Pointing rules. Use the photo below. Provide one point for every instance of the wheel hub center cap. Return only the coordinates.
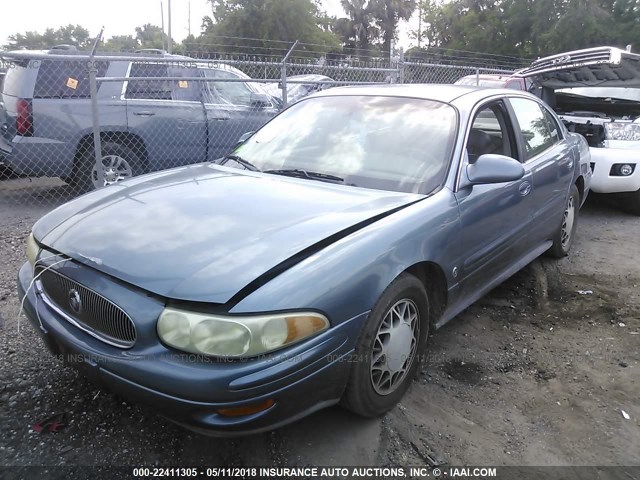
(399, 347)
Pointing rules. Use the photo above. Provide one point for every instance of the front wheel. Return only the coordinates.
(563, 239)
(389, 348)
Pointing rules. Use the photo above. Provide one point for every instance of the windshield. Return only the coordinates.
(620, 93)
(386, 143)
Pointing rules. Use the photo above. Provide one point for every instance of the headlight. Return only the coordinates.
(236, 336)
(32, 249)
(622, 131)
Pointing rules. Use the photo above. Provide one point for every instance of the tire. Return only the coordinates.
(119, 163)
(564, 236)
(372, 390)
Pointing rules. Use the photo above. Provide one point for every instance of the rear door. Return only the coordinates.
(549, 158)
(167, 114)
(232, 108)
(495, 218)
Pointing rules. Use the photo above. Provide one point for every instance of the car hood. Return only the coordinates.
(601, 66)
(203, 232)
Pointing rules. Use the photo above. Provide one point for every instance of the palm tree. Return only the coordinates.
(387, 14)
(359, 28)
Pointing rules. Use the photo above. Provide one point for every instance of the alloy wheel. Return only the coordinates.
(114, 169)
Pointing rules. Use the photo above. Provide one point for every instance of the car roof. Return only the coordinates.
(429, 91)
(38, 54)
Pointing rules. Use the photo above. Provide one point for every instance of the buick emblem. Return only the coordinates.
(75, 302)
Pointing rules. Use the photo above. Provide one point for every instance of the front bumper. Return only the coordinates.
(190, 390)
(604, 158)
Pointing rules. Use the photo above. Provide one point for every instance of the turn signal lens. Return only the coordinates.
(246, 410)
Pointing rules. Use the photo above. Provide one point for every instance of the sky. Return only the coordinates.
(120, 17)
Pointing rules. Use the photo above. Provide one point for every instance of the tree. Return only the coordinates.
(70, 35)
(387, 14)
(358, 30)
(121, 43)
(150, 36)
(266, 26)
(529, 28)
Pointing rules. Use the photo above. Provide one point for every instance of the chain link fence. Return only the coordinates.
(72, 122)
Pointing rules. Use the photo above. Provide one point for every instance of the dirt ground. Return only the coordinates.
(536, 373)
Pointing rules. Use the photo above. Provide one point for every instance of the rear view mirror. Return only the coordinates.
(492, 168)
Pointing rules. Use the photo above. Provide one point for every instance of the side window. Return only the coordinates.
(514, 85)
(65, 78)
(185, 90)
(489, 133)
(534, 125)
(231, 93)
(145, 88)
(553, 125)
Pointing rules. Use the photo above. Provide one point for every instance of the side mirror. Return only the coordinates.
(260, 100)
(243, 138)
(492, 168)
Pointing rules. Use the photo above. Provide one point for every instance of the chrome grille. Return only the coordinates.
(97, 315)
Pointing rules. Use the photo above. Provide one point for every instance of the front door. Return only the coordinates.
(167, 114)
(495, 218)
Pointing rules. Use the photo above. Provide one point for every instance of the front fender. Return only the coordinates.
(346, 278)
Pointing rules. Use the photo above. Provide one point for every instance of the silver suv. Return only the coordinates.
(148, 120)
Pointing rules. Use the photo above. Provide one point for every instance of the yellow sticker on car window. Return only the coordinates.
(72, 83)
(183, 84)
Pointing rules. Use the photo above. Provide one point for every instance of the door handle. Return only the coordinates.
(524, 188)
(144, 113)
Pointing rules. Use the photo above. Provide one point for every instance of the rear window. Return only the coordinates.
(65, 78)
(481, 82)
(13, 80)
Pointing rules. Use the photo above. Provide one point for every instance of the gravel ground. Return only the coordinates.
(533, 374)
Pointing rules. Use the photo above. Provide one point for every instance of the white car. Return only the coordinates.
(596, 92)
(296, 89)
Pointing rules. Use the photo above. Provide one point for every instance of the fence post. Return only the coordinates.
(93, 86)
(401, 66)
(477, 77)
(283, 74)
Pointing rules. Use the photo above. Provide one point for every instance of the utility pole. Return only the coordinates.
(169, 26)
(419, 22)
(189, 17)
(162, 20)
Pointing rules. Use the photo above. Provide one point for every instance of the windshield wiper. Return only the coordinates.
(238, 159)
(300, 173)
